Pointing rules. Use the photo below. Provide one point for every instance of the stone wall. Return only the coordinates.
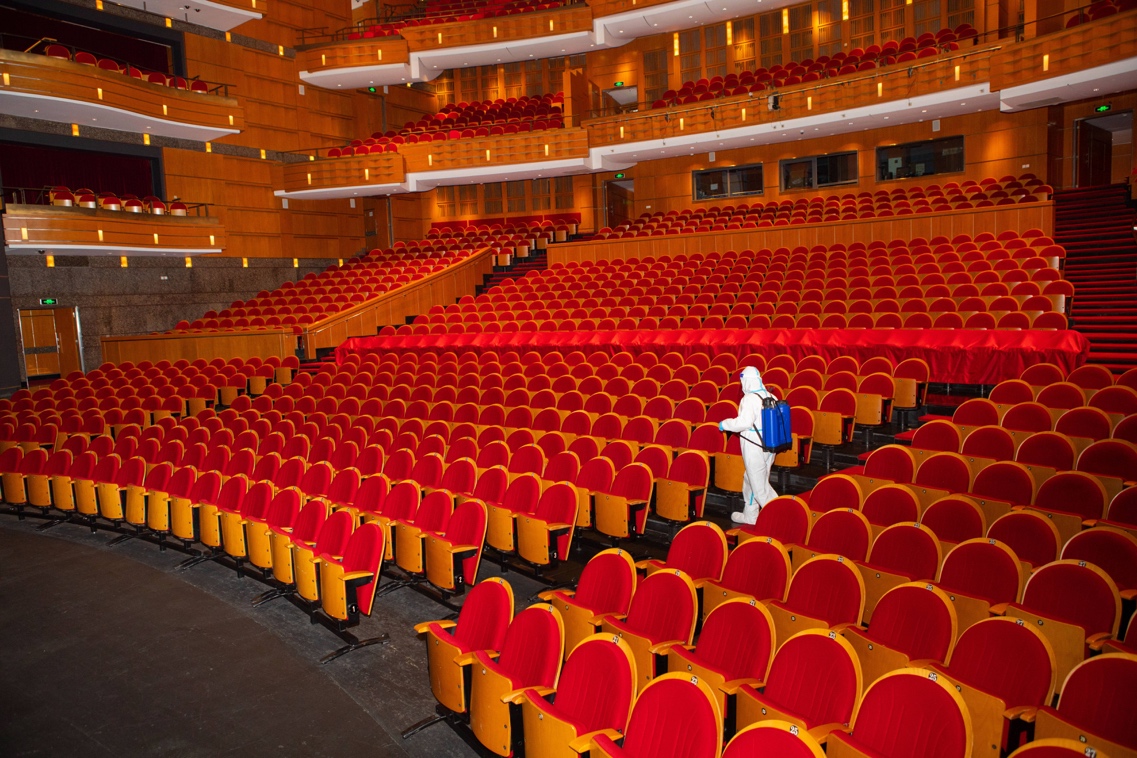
(151, 295)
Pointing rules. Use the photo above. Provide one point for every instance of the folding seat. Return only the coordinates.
(481, 625)
(901, 553)
(890, 463)
(1095, 708)
(530, 659)
(1112, 550)
(844, 532)
(674, 715)
(545, 530)
(1050, 449)
(401, 502)
(12, 474)
(954, 519)
(1033, 537)
(912, 622)
(307, 555)
(622, 510)
(411, 531)
(836, 491)
(1112, 458)
(699, 550)
(663, 612)
(605, 587)
(814, 683)
(1071, 500)
(907, 713)
(1085, 422)
(826, 592)
(785, 518)
(85, 488)
(681, 494)
(1004, 669)
(593, 696)
(1011, 392)
(779, 738)
(993, 442)
(1052, 748)
(1075, 605)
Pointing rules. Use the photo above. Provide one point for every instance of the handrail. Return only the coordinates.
(216, 88)
(361, 26)
(42, 196)
(813, 87)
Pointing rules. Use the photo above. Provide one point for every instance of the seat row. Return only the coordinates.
(109, 201)
(445, 13)
(850, 206)
(106, 64)
(802, 680)
(909, 49)
(465, 121)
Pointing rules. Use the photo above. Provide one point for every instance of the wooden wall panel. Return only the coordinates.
(995, 144)
(268, 86)
(284, 18)
(154, 348)
(1017, 218)
(1091, 44)
(240, 193)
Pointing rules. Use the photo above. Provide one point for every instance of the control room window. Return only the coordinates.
(727, 182)
(938, 156)
(819, 171)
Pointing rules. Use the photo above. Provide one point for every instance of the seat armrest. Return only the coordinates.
(734, 685)
(999, 609)
(465, 659)
(821, 731)
(581, 743)
(516, 696)
(1022, 712)
(663, 647)
(550, 595)
(1095, 641)
(599, 619)
(425, 625)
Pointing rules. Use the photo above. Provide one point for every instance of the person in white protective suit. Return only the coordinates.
(756, 489)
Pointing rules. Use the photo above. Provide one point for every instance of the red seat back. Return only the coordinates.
(1098, 697)
(533, 649)
(1075, 593)
(663, 607)
(672, 717)
(485, 616)
(1004, 659)
(915, 620)
(984, 569)
(815, 676)
(596, 687)
(699, 550)
(908, 713)
(606, 583)
(828, 589)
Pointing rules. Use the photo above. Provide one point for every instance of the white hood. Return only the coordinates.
(752, 381)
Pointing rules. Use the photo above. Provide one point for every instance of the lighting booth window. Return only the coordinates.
(727, 182)
(937, 156)
(819, 171)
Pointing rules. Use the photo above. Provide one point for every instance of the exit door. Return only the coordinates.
(51, 341)
(619, 199)
(1095, 154)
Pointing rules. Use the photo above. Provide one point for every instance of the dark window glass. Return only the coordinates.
(938, 156)
(728, 182)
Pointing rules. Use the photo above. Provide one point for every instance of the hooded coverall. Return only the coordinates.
(756, 489)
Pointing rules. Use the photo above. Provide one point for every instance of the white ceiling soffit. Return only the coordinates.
(612, 31)
(203, 12)
(107, 251)
(427, 180)
(333, 193)
(1100, 81)
(926, 108)
(429, 64)
(358, 77)
(103, 116)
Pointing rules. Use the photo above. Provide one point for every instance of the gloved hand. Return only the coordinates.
(720, 426)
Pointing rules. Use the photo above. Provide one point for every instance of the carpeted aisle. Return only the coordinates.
(109, 652)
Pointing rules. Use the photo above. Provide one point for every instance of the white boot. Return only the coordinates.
(747, 516)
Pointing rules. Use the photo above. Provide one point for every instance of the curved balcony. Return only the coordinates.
(53, 230)
(423, 166)
(41, 87)
(216, 14)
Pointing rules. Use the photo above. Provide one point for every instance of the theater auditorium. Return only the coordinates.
(555, 378)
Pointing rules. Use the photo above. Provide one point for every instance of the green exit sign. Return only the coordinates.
(619, 176)
(48, 301)
(1103, 108)
(618, 84)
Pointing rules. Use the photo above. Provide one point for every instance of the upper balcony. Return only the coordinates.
(420, 48)
(216, 14)
(75, 87)
(56, 221)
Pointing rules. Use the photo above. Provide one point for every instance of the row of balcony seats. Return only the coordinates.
(106, 64)
(448, 12)
(109, 201)
(737, 290)
(337, 288)
(808, 673)
(1100, 9)
(554, 228)
(489, 118)
(989, 192)
(859, 59)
